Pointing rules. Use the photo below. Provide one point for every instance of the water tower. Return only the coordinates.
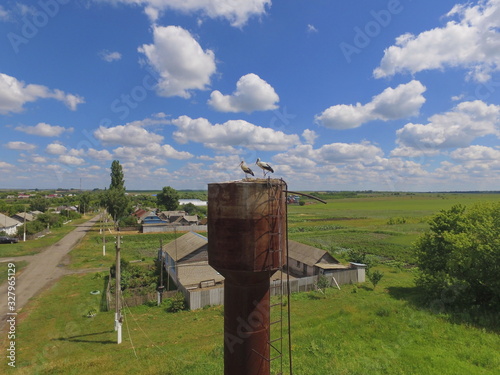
(247, 245)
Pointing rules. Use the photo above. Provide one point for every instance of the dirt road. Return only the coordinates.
(43, 269)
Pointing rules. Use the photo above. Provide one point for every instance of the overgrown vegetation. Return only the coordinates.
(459, 258)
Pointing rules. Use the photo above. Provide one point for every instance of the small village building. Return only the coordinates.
(21, 216)
(186, 261)
(305, 260)
(139, 213)
(9, 225)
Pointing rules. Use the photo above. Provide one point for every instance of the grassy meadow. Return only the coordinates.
(355, 330)
(383, 224)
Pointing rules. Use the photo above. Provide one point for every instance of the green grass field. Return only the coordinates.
(380, 224)
(355, 330)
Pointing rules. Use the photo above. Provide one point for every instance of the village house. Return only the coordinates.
(21, 216)
(186, 261)
(9, 225)
(305, 260)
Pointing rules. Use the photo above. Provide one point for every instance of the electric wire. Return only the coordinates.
(142, 330)
(128, 330)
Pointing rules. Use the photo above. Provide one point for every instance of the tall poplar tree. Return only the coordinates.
(114, 199)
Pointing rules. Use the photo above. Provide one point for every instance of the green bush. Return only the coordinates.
(459, 257)
(177, 303)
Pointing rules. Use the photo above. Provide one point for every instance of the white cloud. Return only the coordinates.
(44, 130)
(18, 145)
(70, 160)
(343, 152)
(128, 135)
(100, 155)
(153, 152)
(252, 94)
(55, 149)
(332, 153)
(309, 136)
(179, 60)
(475, 38)
(476, 152)
(14, 94)
(109, 56)
(237, 12)
(231, 133)
(456, 128)
(4, 165)
(403, 101)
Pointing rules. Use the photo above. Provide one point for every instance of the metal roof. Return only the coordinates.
(185, 245)
(194, 273)
(7, 222)
(308, 254)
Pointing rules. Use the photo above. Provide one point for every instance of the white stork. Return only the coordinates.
(265, 166)
(246, 169)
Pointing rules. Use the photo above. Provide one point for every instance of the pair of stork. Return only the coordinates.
(265, 167)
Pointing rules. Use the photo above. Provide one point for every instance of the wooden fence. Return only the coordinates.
(198, 298)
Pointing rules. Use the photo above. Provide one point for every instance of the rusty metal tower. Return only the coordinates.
(247, 245)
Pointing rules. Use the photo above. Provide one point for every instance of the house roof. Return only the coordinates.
(308, 254)
(140, 212)
(172, 213)
(195, 273)
(185, 245)
(7, 222)
(191, 217)
(146, 214)
(329, 266)
(22, 215)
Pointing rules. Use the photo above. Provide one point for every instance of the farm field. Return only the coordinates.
(356, 330)
(382, 224)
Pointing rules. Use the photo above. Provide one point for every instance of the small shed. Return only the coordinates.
(305, 260)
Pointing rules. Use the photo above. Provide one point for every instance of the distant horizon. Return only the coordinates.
(319, 190)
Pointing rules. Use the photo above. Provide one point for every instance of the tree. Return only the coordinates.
(375, 277)
(39, 204)
(168, 198)
(84, 202)
(114, 199)
(459, 258)
(117, 180)
(117, 203)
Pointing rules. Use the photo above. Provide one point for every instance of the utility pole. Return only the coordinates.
(103, 235)
(118, 313)
(161, 287)
(24, 226)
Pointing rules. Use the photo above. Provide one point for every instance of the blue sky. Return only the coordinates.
(396, 95)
